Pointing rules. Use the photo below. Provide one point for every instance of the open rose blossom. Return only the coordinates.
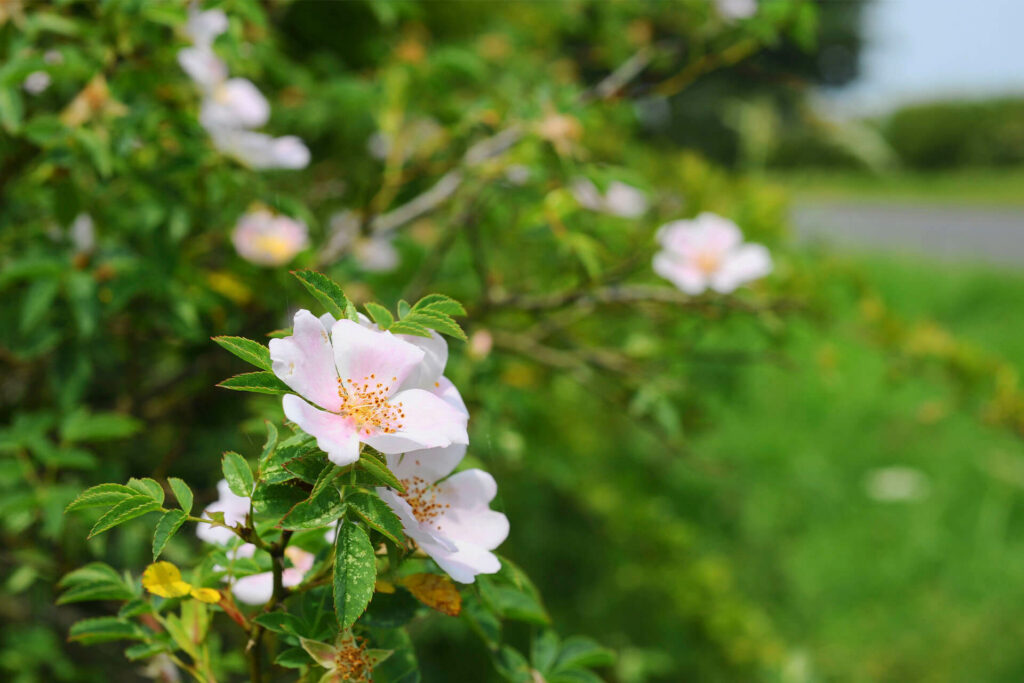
(358, 385)
(708, 253)
(448, 516)
(619, 200)
(269, 239)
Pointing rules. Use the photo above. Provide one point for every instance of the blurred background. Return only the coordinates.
(823, 484)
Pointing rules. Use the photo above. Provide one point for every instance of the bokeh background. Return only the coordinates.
(824, 484)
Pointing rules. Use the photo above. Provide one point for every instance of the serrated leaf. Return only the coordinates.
(94, 581)
(269, 445)
(238, 474)
(103, 494)
(579, 652)
(279, 622)
(105, 629)
(276, 500)
(250, 351)
(134, 608)
(380, 472)
(380, 315)
(182, 492)
(308, 467)
(293, 658)
(256, 382)
(147, 487)
(145, 650)
(512, 666)
(410, 327)
(355, 573)
(436, 321)
(376, 513)
(325, 290)
(128, 509)
(165, 529)
(85, 426)
(441, 304)
(544, 650)
(320, 509)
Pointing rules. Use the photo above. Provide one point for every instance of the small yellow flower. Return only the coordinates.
(164, 579)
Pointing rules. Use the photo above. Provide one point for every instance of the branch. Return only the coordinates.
(627, 294)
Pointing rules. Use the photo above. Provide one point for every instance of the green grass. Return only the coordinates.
(966, 186)
(871, 591)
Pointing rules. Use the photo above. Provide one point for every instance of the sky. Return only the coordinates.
(936, 49)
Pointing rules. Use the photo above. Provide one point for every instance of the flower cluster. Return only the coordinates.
(356, 384)
(233, 107)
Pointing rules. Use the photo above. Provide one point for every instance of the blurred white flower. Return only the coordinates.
(733, 10)
(204, 27)
(517, 174)
(235, 509)
(232, 107)
(83, 234)
(269, 239)
(448, 515)
(161, 668)
(896, 484)
(259, 150)
(258, 588)
(708, 252)
(372, 253)
(235, 103)
(620, 199)
(53, 57)
(36, 82)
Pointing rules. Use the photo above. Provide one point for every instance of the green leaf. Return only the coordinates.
(579, 652)
(439, 303)
(308, 467)
(410, 327)
(147, 487)
(105, 629)
(511, 595)
(380, 315)
(323, 507)
(403, 308)
(269, 445)
(256, 382)
(165, 529)
(182, 492)
(276, 500)
(574, 676)
(379, 471)
(436, 321)
(391, 610)
(84, 426)
(145, 650)
(376, 513)
(325, 290)
(11, 109)
(401, 666)
(103, 494)
(238, 474)
(482, 620)
(355, 573)
(293, 658)
(36, 302)
(94, 581)
(248, 350)
(544, 650)
(512, 666)
(126, 510)
(280, 622)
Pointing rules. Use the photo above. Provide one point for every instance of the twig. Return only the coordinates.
(626, 294)
(617, 79)
(727, 57)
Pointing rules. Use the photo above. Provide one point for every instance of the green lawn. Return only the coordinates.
(967, 186)
(929, 590)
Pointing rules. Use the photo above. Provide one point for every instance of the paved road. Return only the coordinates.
(962, 233)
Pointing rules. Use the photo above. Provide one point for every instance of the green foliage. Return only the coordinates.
(238, 474)
(355, 573)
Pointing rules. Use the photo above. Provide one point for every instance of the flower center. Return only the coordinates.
(367, 404)
(350, 661)
(421, 496)
(273, 245)
(707, 261)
